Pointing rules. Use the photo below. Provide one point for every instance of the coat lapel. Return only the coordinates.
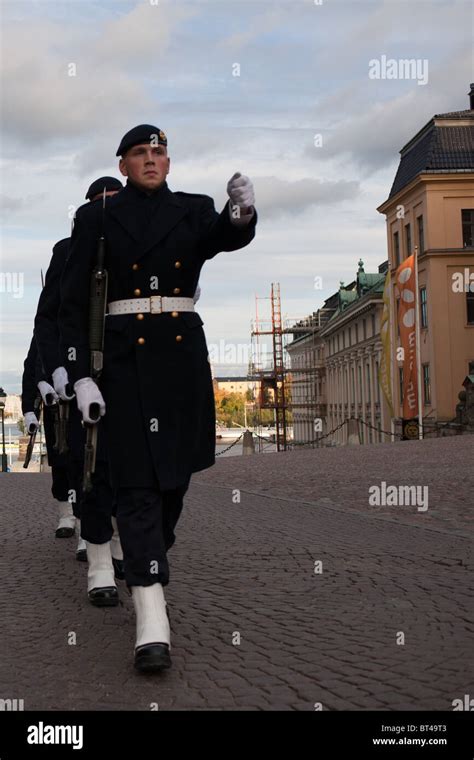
(121, 209)
(170, 211)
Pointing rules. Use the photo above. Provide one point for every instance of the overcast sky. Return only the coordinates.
(304, 71)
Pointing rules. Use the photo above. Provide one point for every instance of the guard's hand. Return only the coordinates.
(197, 294)
(48, 394)
(61, 383)
(31, 423)
(240, 190)
(90, 401)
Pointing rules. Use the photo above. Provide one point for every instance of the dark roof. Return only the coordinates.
(436, 149)
(467, 114)
(367, 285)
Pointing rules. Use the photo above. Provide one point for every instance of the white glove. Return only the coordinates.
(48, 394)
(89, 400)
(240, 190)
(60, 380)
(31, 422)
(197, 294)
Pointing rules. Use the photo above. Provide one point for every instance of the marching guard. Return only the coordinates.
(156, 394)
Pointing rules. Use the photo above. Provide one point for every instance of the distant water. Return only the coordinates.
(221, 446)
(237, 449)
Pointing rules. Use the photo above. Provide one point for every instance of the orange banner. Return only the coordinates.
(385, 369)
(405, 279)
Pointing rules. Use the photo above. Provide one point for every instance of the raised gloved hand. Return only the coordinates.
(61, 383)
(48, 394)
(241, 194)
(197, 294)
(90, 401)
(31, 422)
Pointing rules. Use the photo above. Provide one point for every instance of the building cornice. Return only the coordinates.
(351, 312)
(424, 178)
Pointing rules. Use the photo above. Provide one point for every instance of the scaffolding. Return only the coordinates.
(288, 390)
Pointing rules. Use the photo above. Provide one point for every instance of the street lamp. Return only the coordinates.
(3, 396)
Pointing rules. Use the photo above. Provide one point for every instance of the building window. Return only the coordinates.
(467, 215)
(398, 317)
(356, 333)
(343, 338)
(364, 329)
(368, 399)
(400, 380)
(426, 383)
(350, 336)
(408, 239)
(373, 324)
(353, 386)
(423, 308)
(421, 239)
(396, 248)
(470, 307)
(360, 384)
(338, 341)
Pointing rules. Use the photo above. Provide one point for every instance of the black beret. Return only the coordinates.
(110, 183)
(144, 133)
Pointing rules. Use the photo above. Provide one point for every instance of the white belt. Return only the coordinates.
(152, 305)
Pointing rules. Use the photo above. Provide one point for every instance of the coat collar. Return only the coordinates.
(169, 212)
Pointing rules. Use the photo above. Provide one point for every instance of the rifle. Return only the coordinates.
(62, 426)
(97, 306)
(55, 415)
(32, 441)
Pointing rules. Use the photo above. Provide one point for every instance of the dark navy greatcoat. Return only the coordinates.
(33, 372)
(46, 320)
(47, 341)
(160, 416)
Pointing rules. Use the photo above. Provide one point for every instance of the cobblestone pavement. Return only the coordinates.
(309, 633)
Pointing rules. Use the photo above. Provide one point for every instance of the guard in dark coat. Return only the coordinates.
(34, 384)
(156, 381)
(93, 510)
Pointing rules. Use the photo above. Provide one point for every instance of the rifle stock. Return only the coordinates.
(97, 306)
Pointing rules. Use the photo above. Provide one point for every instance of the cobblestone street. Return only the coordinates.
(282, 551)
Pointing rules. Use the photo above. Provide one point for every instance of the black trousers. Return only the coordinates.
(147, 518)
(96, 507)
(60, 482)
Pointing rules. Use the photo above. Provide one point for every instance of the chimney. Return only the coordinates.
(471, 97)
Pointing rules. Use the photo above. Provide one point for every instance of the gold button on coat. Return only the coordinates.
(137, 292)
(135, 267)
(140, 316)
(141, 341)
(175, 313)
(177, 264)
(176, 291)
(179, 337)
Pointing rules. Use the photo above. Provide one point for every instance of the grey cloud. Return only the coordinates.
(275, 197)
(373, 133)
(10, 205)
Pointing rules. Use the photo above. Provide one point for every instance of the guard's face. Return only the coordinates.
(146, 165)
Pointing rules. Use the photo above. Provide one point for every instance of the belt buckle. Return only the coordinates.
(158, 308)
